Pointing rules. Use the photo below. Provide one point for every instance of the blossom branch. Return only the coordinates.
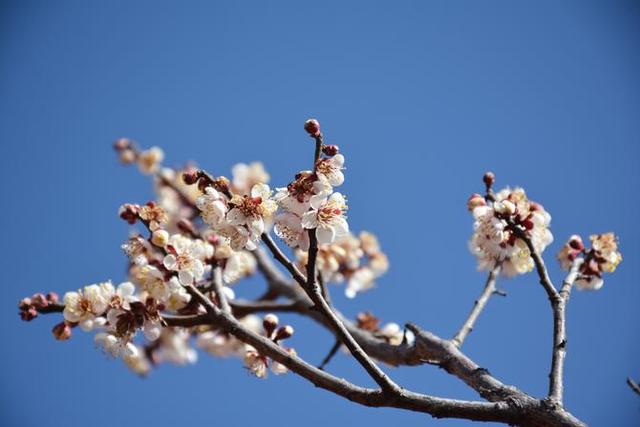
(556, 387)
(480, 303)
(437, 407)
(218, 288)
(541, 268)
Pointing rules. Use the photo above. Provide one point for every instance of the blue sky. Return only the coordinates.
(422, 97)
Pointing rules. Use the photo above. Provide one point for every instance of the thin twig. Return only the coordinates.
(480, 303)
(541, 268)
(556, 387)
(334, 349)
(634, 385)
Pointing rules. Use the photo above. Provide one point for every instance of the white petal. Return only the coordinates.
(325, 235)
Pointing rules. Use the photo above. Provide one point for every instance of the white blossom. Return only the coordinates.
(212, 206)
(245, 176)
(115, 346)
(328, 219)
(331, 169)
(288, 226)
(306, 191)
(85, 305)
(187, 256)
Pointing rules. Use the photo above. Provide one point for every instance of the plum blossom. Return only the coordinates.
(153, 215)
(116, 346)
(603, 257)
(149, 160)
(85, 305)
(175, 348)
(306, 191)
(328, 219)
(212, 206)
(245, 176)
(138, 362)
(222, 344)
(187, 256)
(252, 211)
(256, 363)
(237, 266)
(495, 240)
(288, 227)
(330, 169)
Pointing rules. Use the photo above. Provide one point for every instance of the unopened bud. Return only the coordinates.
(129, 212)
(270, 322)
(190, 176)
(528, 224)
(62, 331)
(222, 184)
(312, 126)
(475, 201)
(122, 144)
(575, 242)
(39, 300)
(52, 297)
(29, 314)
(489, 178)
(127, 157)
(160, 238)
(330, 150)
(284, 333)
(24, 303)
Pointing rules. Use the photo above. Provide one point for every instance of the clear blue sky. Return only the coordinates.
(423, 97)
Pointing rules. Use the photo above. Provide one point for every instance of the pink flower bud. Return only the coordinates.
(122, 144)
(39, 300)
(475, 201)
(270, 322)
(62, 331)
(53, 297)
(190, 176)
(29, 314)
(575, 242)
(284, 333)
(489, 178)
(330, 150)
(129, 212)
(312, 126)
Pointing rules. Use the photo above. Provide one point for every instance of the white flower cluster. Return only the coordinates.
(308, 202)
(603, 257)
(495, 239)
(358, 261)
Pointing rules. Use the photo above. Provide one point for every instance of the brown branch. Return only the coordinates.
(541, 268)
(218, 287)
(478, 306)
(556, 387)
(437, 407)
(634, 385)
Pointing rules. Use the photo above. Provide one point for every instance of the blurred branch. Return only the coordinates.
(478, 306)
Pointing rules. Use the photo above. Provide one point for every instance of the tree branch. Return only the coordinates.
(480, 303)
(556, 387)
(218, 288)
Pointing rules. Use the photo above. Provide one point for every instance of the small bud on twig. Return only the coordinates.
(312, 126)
(489, 178)
(330, 150)
(284, 333)
(62, 331)
(270, 323)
